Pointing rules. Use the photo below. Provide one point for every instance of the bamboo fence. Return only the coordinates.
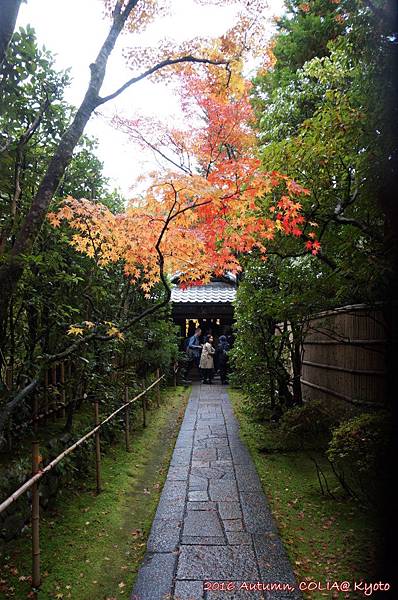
(37, 473)
(344, 356)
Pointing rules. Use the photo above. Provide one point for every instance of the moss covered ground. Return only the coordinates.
(92, 546)
(327, 539)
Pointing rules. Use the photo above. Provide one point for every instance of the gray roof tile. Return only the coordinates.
(209, 292)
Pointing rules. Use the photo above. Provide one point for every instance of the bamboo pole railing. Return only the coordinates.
(38, 473)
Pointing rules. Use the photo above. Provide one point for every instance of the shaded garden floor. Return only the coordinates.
(118, 520)
(326, 539)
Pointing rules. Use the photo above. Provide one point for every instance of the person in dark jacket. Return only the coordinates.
(222, 358)
(195, 347)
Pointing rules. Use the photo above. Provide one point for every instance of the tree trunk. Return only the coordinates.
(296, 364)
(12, 269)
(9, 14)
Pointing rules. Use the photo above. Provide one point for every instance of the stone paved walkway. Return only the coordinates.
(213, 522)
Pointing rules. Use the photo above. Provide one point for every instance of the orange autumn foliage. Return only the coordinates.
(207, 207)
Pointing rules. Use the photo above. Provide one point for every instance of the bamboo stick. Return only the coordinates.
(28, 484)
(143, 413)
(35, 411)
(35, 518)
(127, 418)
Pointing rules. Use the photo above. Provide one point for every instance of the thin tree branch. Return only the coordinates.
(181, 167)
(164, 63)
(12, 405)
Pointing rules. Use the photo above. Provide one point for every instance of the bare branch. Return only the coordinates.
(164, 63)
(181, 167)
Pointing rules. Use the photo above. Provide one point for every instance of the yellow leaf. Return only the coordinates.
(73, 330)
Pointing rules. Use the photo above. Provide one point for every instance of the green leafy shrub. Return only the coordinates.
(358, 452)
(15, 517)
(309, 425)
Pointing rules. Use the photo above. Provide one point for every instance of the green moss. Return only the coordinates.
(326, 538)
(92, 546)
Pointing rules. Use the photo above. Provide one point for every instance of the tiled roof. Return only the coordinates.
(209, 292)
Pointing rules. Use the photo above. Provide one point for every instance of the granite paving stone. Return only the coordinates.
(256, 513)
(178, 473)
(225, 491)
(247, 478)
(197, 483)
(202, 506)
(201, 463)
(217, 563)
(237, 594)
(229, 510)
(209, 473)
(165, 535)
(272, 559)
(198, 496)
(155, 577)
(204, 454)
(223, 454)
(188, 590)
(212, 442)
(233, 525)
(174, 490)
(239, 537)
(169, 509)
(211, 540)
(220, 463)
(202, 522)
(213, 522)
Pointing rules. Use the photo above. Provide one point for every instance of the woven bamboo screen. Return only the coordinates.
(344, 356)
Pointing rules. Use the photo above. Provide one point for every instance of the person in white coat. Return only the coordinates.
(207, 361)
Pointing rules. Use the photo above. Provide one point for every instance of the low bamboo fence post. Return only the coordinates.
(158, 388)
(175, 375)
(97, 448)
(35, 518)
(127, 418)
(143, 408)
(38, 473)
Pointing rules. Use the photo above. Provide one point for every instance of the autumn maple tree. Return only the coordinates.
(132, 16)
(205, 207)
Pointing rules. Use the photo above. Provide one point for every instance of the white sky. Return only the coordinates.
(74, 30)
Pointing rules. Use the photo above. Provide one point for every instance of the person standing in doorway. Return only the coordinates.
(206, 360)
(222, 358)
(195, 347)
